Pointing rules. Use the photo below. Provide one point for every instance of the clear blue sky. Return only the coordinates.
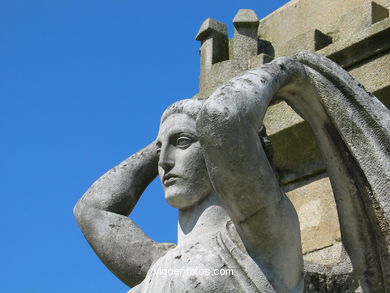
(82, 86)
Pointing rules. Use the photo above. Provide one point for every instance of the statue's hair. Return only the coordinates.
(192, 107)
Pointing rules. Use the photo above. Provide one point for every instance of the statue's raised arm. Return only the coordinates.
(352, 130)
(228, 127)
(102, 214)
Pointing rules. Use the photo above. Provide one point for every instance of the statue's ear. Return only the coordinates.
(266, 143)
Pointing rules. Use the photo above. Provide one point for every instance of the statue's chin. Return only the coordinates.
(181, 200)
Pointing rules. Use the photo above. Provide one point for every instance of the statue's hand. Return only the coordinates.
(119, 189)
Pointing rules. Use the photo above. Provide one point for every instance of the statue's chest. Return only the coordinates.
(201, 255)
(214, 263)
(196, 267)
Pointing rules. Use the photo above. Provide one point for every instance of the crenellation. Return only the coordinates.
(214, 45)
(216, 32)
(259, 60)
(246, 42)
(353, 23)
(312, 40)
(222, 59)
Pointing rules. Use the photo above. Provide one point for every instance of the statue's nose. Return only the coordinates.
(165, 160)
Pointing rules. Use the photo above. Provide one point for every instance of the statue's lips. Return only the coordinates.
(169, 179)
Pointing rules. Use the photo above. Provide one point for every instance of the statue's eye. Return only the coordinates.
(183, 142)
(158, 146)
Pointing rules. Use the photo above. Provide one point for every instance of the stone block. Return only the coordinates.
(360, 18)
(218, 74)
(280, 116)
(296, 155)
(259, 60)
(312, 41)
(245, 35)
(297, 17)
(360, 46)
(373, 73)
(327, 256)
(214, 48)
(317, 214)
(246, 18)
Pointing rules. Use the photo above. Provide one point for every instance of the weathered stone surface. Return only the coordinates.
(374, 72)
(327, 256)
(214, 46)
(259, 60)
(219, 74)
(364, 53)
(321, 242)
(246, 43)
(359, 31)
(347, 33)
(246, 17)
(360, 46)
(312, 40)
(317, 214)
(302, 16)
(359, 19)
(297, 158)
(209, 27)
(279, 117)
(352, 33)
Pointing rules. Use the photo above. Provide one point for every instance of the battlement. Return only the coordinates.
(355, 34)
(221, 58)
(347, 32)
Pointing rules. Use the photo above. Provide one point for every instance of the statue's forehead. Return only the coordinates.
(177, 122)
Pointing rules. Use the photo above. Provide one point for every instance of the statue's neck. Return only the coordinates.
(206, 217)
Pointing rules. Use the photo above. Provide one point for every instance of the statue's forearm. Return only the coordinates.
(245, 98)
(228, 126)
(102, 216)
(119, 189)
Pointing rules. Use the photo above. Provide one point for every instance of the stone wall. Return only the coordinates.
(356, 35)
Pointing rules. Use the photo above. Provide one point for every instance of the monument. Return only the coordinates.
(217, 169)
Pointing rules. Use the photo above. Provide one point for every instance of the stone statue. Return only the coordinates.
(232, 212)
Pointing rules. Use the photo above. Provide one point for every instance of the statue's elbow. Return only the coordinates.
(217, 118)
(76, 211)
(79, 211)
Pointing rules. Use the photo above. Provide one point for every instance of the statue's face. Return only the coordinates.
(181, 165)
